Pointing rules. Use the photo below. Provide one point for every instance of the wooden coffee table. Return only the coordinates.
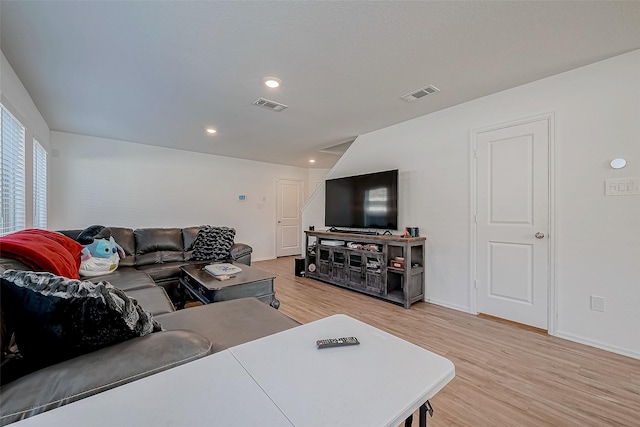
(250, 282)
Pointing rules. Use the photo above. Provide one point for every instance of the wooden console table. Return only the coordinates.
(328, 258)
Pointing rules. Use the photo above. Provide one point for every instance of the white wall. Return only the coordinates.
(597, 110)
(117, 183)
(315, 176)
(17, 100)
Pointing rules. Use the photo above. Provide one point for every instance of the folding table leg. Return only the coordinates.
(424, 408)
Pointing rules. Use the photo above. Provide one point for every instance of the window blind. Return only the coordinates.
(12, 173)
(39, 186)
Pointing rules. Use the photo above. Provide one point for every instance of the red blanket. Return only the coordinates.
(43, 250)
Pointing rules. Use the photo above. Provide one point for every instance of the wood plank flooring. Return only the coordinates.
(505, 375)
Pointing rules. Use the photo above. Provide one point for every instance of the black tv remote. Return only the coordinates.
(337, 342)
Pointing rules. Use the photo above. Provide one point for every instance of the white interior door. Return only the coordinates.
(512, 253)
(289, 226)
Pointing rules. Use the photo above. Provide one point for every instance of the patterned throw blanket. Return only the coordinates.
(56, 318)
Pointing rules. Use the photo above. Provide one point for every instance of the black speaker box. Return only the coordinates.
(300, 267)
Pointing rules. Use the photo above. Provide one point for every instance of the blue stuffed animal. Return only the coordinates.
(101, 253)
(103, 248)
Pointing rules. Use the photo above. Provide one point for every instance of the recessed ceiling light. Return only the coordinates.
(272, 82)
(211, 131)
(312, 161)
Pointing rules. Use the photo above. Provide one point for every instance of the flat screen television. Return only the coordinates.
(363, 201)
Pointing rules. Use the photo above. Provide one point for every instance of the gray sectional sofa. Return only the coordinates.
(149, 271)
(160, 252)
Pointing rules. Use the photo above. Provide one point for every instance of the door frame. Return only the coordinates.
(302, 202)
(552, 294)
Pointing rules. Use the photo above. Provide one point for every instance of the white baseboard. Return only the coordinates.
(268, 258)
(448, 305)
(564, 335)
(597, 344)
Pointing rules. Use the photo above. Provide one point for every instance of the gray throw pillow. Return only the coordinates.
(55, 318)
(213, 243)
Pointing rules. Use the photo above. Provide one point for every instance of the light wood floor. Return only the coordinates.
(505, 375)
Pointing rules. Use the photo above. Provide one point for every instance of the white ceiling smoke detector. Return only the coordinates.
(420, 93)
(618, 163)
(271, 105)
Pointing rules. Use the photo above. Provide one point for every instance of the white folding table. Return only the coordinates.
(279, 380)
(380, 382)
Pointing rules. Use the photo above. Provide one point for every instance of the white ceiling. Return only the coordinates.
(160, 72)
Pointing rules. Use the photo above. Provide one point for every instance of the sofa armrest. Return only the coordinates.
(241, 253)
(101, 370)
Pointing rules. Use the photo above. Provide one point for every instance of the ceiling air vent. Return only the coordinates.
(271, 105)
(420, 93)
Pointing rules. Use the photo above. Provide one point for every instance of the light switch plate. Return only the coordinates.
(597, 303)
(622, 187)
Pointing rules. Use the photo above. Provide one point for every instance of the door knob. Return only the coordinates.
(539, 235)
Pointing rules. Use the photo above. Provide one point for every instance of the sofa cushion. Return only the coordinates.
(101, 370)
(56, 318)
(213, 243)
(229, 323)
(126, 239)
(154, 300)
(158, 245)
(127, 278)
(189, 235)
(158, 239)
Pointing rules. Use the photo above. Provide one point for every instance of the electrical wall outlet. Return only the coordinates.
(597, 303)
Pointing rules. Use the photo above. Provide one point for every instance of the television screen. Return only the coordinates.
(363, 201)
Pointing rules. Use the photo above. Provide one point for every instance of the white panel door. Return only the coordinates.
(289, 227)
(512, 260)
